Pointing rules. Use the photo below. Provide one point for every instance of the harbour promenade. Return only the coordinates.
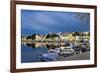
(83, 56)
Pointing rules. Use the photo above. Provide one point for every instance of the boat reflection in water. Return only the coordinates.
(45, 52)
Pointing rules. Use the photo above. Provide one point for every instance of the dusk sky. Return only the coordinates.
(43, 22)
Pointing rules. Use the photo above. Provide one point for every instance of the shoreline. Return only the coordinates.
(83, 56)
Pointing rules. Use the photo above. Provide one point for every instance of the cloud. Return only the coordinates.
(46, 21)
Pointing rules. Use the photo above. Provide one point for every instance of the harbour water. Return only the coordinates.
(44, 52)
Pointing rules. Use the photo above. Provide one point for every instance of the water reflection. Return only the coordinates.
(43, 51)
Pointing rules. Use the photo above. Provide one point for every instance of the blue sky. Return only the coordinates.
(43, 22)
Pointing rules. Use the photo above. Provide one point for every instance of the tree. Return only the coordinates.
(29, 37)
(48, 36)
(51, 35)
(76, 34)
(55, 35)
(33, 36)
(22, 36)
(88, 34)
